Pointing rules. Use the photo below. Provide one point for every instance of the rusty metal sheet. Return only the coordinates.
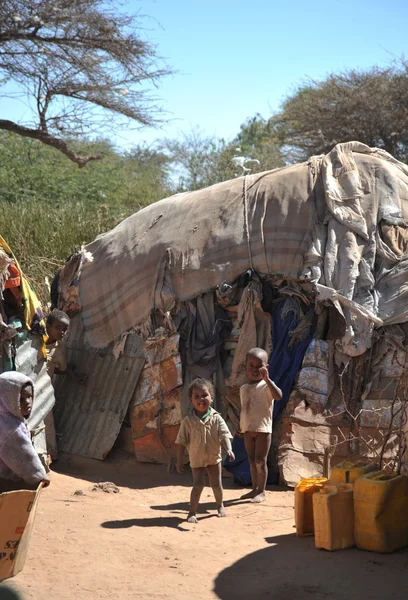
(158, 349)
(160, 378)
(157, 448)
(144, 416)
(88, 417)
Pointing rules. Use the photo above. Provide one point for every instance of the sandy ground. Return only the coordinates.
(136, 544)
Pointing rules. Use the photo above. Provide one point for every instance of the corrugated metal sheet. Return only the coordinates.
(88, 417)
(28, 360)
(144, 416)
(156, 448)
(155, 412)
(158, 379)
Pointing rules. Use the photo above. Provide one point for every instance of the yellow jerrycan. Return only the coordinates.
(348, 472)
(381, 512)
(333, 514)
(304, 491)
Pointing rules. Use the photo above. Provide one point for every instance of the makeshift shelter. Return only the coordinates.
(308, 262)
(22, 341)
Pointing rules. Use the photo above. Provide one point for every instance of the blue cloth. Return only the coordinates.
(285, 362)
(240, 467)
(284, 365)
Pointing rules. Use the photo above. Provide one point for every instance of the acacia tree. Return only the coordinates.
(202, 161)
(261, 139)
(83, 62)
(367, 106)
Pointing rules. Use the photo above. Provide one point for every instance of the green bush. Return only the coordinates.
(49, 207)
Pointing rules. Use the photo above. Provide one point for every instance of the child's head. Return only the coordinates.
(201, 394)
(57, 325)
(16, 394)
(26, 400)
(255, 360)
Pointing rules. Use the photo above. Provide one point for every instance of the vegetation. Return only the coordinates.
(83, 63)
(49, 207)
(367, 106)
(200, 161)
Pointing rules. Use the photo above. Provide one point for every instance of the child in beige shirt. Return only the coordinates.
(257, 400)
(203, 432)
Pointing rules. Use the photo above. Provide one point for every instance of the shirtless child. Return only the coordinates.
(257, 399)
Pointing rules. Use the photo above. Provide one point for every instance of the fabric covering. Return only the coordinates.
(18, 458)
(33, 314)
(338, 220)
(202, 325)
(284, 364)
(286, 359)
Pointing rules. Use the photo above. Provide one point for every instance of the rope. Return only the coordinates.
(244, 198)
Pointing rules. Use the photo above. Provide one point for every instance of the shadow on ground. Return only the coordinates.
(120, 468)
(293, 568)
(204, 506)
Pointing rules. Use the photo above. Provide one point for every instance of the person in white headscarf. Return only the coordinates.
(20, 466)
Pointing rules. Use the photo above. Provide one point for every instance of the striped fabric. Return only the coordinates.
(275, 222)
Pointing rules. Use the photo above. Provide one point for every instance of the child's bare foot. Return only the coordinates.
(192, 519)
(259, 498)
(249, 495)
(221, 512)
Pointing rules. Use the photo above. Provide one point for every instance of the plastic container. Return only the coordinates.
(381, 512)
(333, 514)
(349, 472)
(304, 491)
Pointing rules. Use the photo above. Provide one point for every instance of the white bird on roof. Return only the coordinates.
(241, 161)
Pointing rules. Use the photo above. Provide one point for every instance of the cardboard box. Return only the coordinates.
(17, 513)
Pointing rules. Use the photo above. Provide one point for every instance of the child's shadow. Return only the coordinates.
(203, 507)
(172, 522)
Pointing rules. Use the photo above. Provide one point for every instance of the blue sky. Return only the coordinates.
(238, 58)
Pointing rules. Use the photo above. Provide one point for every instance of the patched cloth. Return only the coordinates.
(337, 221)
(256, 408)
(203, 438)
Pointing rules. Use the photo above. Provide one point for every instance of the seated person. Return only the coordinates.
(20, 466)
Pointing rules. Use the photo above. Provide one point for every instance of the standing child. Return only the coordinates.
(57, 325)
(203, 432)
(257, 399)
(20, 466)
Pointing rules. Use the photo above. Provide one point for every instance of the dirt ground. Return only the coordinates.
(137, 544)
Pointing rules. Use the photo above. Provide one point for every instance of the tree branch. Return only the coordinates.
(50, 140)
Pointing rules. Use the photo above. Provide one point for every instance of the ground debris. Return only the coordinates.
(106, 486)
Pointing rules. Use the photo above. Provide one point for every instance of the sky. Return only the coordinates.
(236, 58)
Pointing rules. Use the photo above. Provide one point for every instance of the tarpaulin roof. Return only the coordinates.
(337, 220)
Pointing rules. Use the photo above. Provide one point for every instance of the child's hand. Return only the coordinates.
(179, 467)
(239, 434)
(231, 456)
(263, 371)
